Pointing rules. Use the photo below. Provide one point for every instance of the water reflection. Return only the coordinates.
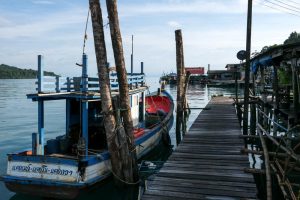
(18, 120)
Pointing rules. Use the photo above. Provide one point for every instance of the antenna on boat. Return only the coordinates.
(131, 55)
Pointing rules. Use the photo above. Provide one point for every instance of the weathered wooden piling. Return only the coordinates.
(186, 86)
(106, 99)
(267, 165)
(116, 137)
(186, 109)
(275, 94)
(180, 82)
(236, 85)
(253, 109)
(295, 84)
(123, 86)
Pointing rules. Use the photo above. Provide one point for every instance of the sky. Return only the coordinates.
(213, 32)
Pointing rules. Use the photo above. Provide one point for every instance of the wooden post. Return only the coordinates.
(85, 105)
(186, 109)
(85, 125)
(104, 83)
(35, 143)
(267, 165)
(247, 69)
(264, 107)
(57, 84)
(142, 72)
(180, 82)
(40, 75)
(295, 86)
(186, 86)
(142, 67)
(84, 74)
(253, 109)
(236, 85)
(41, 130)
(68, 107)
(123, 84)
(276, 105)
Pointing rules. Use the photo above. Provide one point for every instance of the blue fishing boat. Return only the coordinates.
(63, 166)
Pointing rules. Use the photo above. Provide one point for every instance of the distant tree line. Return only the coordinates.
(293, 38)
(9, 72)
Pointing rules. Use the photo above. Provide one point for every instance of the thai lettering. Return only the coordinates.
(43, 169)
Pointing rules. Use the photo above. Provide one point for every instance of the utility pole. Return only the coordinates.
(247, 69)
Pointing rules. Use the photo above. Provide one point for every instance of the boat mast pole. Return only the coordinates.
(41, 129)
(84, 104)
(131, 55)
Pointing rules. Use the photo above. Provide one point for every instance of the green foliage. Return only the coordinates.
(266, 48)
(294, 37)
(9, 72)
(284, 78)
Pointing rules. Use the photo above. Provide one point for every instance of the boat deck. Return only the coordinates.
(208, 163)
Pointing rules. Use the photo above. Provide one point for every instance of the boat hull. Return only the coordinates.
(95, 171)
(59, 192)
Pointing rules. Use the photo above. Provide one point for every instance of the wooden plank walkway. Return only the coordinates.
(208, 163)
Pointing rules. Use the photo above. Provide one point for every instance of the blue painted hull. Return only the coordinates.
(63, 182)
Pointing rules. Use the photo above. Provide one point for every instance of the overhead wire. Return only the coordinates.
(292, 6)
(294, 2)
(284, 7)
(85, 31)
(274, 8)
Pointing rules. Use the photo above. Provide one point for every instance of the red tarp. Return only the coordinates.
(155, 103)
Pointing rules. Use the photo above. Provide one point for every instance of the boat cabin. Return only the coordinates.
(84, 117)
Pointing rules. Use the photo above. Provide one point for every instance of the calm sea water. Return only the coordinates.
(18, 119)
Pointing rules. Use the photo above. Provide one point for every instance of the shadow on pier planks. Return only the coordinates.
(208, 163)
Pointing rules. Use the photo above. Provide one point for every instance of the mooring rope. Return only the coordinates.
(85, 34)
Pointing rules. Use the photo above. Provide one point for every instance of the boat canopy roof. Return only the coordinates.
(88, 96)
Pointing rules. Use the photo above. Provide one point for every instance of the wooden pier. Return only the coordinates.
(208, 163)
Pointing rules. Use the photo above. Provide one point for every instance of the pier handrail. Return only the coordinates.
(280, 171)
(269, 119)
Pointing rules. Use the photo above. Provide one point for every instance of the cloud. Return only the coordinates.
(44, 2)
(174, 24)
(42, 25)
(4, 22)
